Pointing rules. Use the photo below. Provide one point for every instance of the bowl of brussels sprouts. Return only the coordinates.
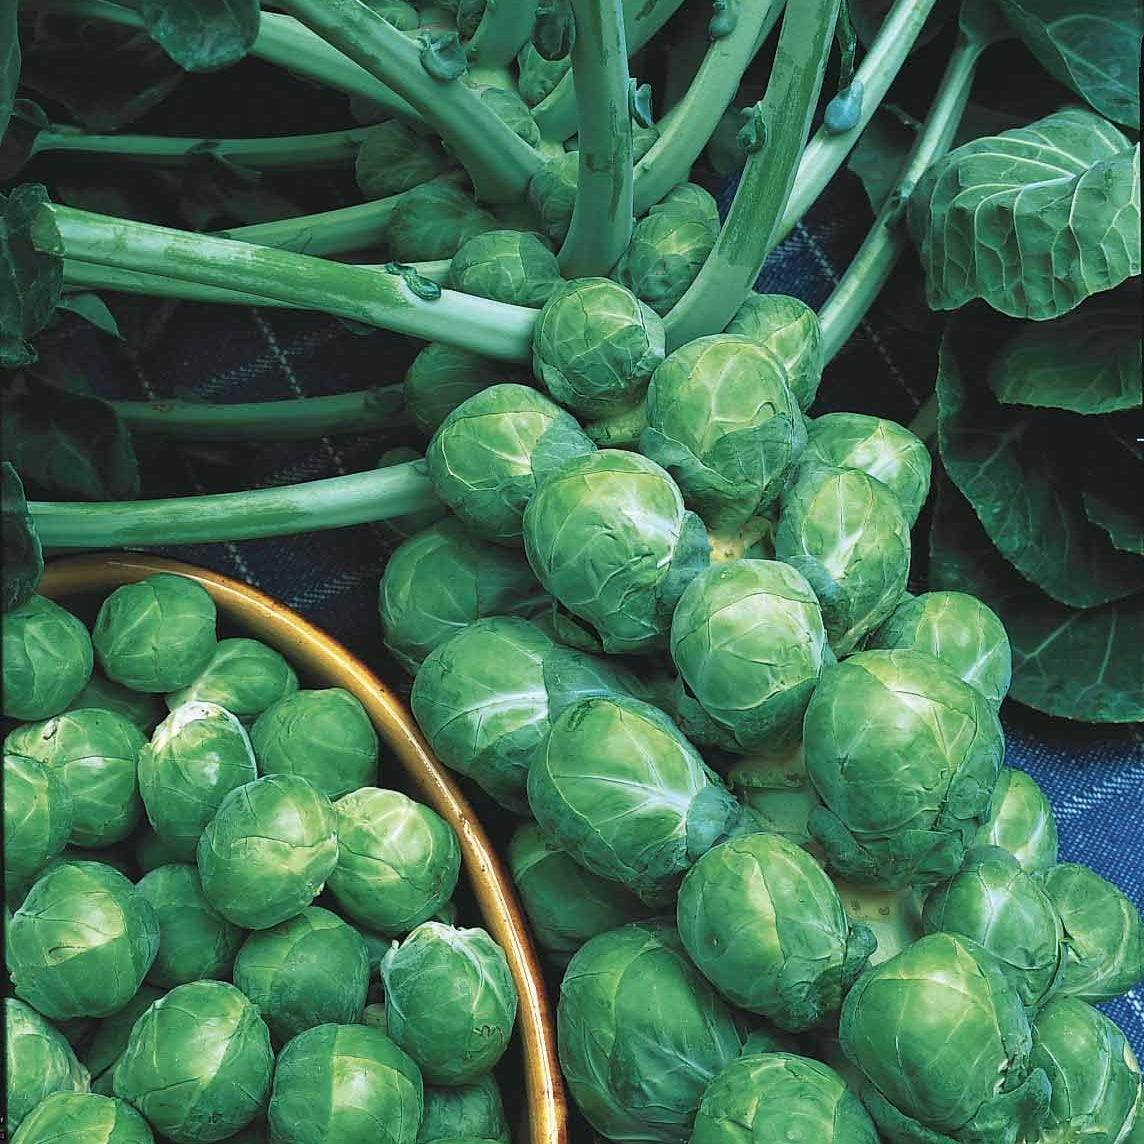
(226, 841)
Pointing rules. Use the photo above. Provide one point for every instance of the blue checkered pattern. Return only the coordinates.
(1094, 777)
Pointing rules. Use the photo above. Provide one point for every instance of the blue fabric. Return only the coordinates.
(1094, 777)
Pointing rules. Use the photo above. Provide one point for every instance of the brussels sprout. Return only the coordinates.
(509, 106)
(323, 736)
(780, 1096)
(111, 1037)
(398, 861)
(961, 631)
(440, 377)
(1103, 932)
(81, 941)
(882, 449)
(38, 819)
(143, 710)
(345, 1083)
(669, 247)
(566, 904)
(393, 158)
(1097, 1094)
(748, 641)
(845, 532)
(764, 925)
(309, 970)
(198, 1063)
(941, 1036)
(494, 450)
(468, 1110)
(433, 221)
(244, 676)
(157, 634)
(595, 346)
(95, 754)
(195, 942)
(196, 757)
(453, 1043)
(724, 424)
(506, 265)
(1002, 908)
(486, 696)
(84, 1118)
(641, 1034)
(904, 755)
(1021, 821)
(536, 76)
(616, 785)
(268, 851)
(790, 330)
(440, 581)
(47, 659)
(610, 538)
(552, 195)
(37, 1062)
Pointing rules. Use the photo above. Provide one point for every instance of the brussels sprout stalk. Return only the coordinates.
(504, 28)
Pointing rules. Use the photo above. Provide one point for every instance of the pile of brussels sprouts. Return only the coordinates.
(218, 925)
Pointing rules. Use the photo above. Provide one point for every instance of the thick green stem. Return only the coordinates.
(92, 276)
(380, 494)
(504, 29)
(686, 128)
(303, 418)
(329, 232)
(781, 126)
(498, 160)
(386, 300)
(602, 218)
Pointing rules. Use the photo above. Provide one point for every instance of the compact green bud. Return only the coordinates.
(510, 266)
(440, 377)
(494, 450)
(509, 107)
(309, 970)
(610, 538)
(961, 631)
(111, 1037)
(393, 158)
(195, 941)
(84, 1118)
(268, 851)
(846, 533)
(723, 422)
(637, 1070)
(198, 1063)
(324, 736)
(95, 754)
(780, 1096)
(748, 641)
(904, 754)
(142, 710)
(764, 925)
(551, 193)
(37, 1062)
(467, 1111)
(47, 658)
(1021, 821)
(789, 329)
(156, 634)
(595, 346)
(1103, 931)
(536, 76)
(457, 1042)
(616, 785)
(433, 221)
(244, 676)
(81, 941)
(398, 861)
(195, 758)
(345, 1083)
(38, 817)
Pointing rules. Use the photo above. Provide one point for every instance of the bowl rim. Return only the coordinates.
(309, 648)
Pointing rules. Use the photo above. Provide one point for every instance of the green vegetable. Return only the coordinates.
(309, 970)
(38, 818)
(38, 1061)
(144, 711)
(393, 158)
(157, 634)
(507, 266)
(1021, 821)
(537, 76)
(455, 1043)
(468, 1110)
(244, 676)
(23, 555)
(789, 329)
(111, 1037)
(433, 220)
(84, 1118)
(323, 736)
(268, 851)
(47, 659)
(440, 377)
(552, 194)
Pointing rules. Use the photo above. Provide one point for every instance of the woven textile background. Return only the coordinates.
(1095, 778)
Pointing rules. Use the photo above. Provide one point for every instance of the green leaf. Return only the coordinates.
(1082, 664)
(93, 309)
(880, 154)
(1093, 46)
(67, 444)
(1087, 362)
(1033, 220)
(29, 281)
(9, 61)
(23, 559)
(1125, 529)
(1014, 467)
(19, 140)
(203, 35)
